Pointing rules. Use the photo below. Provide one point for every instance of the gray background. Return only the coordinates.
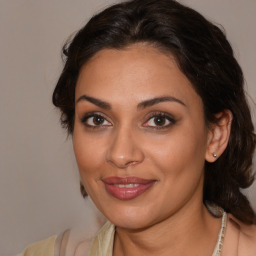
(39, 183)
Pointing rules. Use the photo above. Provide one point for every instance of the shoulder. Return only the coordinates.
(247, 239)
(241, 237)
(75, 241)
(42, 248)
(68, 243)
(72, 242)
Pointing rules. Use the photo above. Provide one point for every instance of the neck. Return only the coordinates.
(190, 231)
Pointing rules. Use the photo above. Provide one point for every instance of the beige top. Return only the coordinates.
(42, 248)
(240, 240)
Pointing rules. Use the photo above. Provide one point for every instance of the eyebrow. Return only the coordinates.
(141, 105)
(97, 102)
(157, 100)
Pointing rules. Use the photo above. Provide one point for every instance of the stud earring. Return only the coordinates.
(214, 155)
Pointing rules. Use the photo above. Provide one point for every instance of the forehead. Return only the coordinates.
(137, 72)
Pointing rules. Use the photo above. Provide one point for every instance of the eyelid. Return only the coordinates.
(86, 116)
(168, 116)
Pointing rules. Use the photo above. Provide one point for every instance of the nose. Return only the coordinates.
(124, 149)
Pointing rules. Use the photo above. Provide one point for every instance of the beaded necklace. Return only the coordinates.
(219, 245)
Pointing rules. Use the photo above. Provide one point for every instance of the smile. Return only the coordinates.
(127, 188)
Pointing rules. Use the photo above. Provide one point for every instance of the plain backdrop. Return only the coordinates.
(39, 182)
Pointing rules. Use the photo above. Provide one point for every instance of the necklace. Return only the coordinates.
(219, 245)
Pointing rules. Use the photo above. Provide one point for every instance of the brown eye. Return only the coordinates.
(160, 121)
(98, 120)
(94, 120)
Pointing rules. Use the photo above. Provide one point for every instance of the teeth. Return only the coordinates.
(127, 185)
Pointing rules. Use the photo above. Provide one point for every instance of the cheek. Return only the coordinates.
(89, 152)
(181, 148)
(89, 159)
(180, 156)
(179, 163)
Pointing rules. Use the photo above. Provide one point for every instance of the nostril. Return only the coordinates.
(122, 162)
(131, 158)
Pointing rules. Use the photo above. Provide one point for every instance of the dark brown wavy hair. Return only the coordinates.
(206, 58)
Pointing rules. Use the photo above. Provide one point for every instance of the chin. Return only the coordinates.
(131, 224)
(130, 217)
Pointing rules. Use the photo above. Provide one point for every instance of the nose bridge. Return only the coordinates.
(124, 149)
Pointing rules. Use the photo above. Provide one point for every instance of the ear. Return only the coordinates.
(218, 136)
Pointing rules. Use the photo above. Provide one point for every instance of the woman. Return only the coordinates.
(153, 98)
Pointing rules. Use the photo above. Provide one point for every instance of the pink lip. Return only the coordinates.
(115, 186)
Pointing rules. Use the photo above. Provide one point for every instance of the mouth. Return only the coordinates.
(127, 188)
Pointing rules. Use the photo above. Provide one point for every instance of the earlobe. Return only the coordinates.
(218, 136)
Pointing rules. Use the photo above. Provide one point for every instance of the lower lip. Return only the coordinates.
(127, 193)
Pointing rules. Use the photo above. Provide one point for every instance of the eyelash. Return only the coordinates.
(154, 115)
(167, 117)
(93, 115)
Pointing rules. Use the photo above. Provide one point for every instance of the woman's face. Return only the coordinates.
(140, 137)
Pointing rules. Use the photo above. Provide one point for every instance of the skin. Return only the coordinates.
(128, 142)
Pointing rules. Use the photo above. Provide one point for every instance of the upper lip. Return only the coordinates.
(126, 180)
